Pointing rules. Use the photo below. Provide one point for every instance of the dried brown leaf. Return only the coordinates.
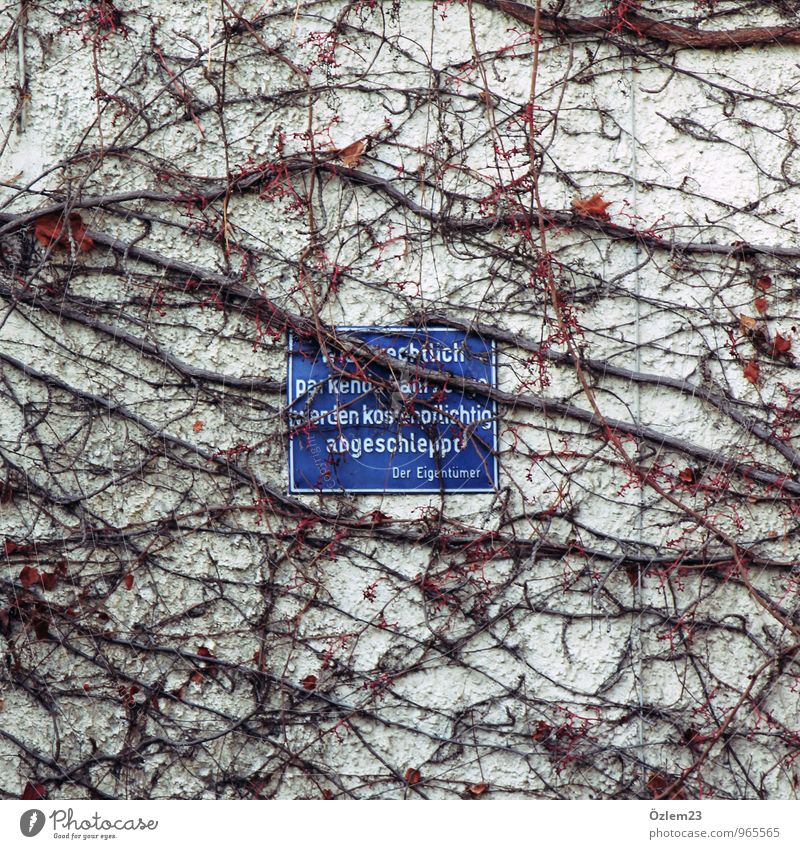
(592, 207)
(477, 789)
(351, 155)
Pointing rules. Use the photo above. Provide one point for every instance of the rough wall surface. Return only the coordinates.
(609, 191)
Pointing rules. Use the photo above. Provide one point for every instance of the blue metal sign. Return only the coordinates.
(353, 427)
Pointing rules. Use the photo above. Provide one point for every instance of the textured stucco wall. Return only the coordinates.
(559, 675)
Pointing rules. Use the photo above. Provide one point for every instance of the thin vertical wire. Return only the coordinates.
(637, 629)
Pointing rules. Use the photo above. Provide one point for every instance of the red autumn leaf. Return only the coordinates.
(764, 283)
(688, 475)
(477, 789)
(752, 371)
(49, 580)
(326, 794)
(48, 228)
(12, 547)
(128, 581)
(593, 207)
(780, 344)
(52, 229)
(197, 677)
(309, 682)
(128, 694)
(32, 792)
(197, 426)
(542, 731)
(658, 783)
(204, 651)
(760, 305)
(413, 776)
(633, 575)
(29, 576)
(351, 155)
(257, 785)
